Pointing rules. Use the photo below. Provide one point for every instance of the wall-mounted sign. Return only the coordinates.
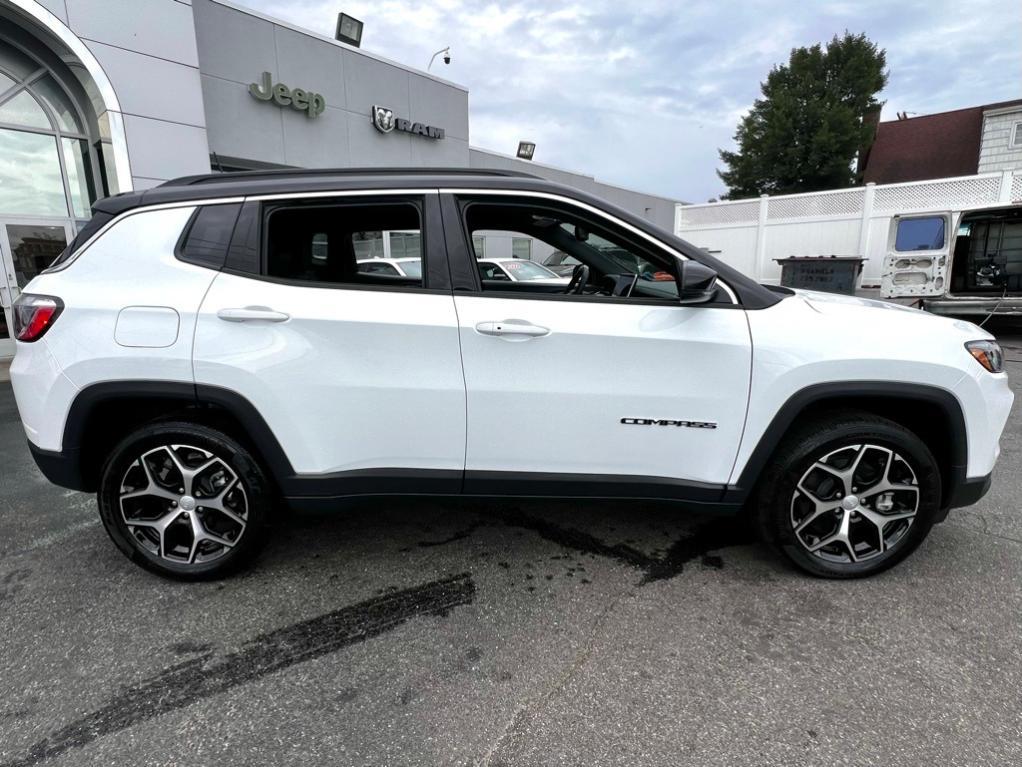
(311, 103)
(385, 122)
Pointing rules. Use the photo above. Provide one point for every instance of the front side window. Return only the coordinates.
(521, 247)
(617, 263)
(925, 233)
(557, 258)
(523, 271)
(356, 243)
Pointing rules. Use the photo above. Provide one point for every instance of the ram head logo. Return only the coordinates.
(383, 119)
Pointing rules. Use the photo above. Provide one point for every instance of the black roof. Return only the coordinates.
(281, 173)
(301, 181)
(262, 182)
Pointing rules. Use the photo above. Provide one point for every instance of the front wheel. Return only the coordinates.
(184, 500)
(849, 495)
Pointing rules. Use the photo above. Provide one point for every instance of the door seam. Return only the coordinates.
(461, 349)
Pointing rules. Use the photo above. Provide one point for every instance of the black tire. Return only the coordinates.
(777, 498)
(250, 500)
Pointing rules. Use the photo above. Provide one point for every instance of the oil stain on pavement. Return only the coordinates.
(185, 683)
(709, 537)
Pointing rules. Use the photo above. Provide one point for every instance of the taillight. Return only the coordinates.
(34, 315)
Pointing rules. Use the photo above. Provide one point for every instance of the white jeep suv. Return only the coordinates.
(209, 350)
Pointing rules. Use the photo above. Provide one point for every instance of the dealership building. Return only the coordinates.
(104, 96)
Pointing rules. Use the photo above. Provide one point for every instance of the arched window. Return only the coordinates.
(46, 167)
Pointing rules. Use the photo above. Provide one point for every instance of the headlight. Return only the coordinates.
(988, 354)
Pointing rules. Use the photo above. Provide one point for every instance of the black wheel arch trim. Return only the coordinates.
(189, 395)
(843, 391)
(89, 398)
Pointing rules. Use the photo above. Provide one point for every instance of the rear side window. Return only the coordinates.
(920, 234)
(206, 240)
(356, 243)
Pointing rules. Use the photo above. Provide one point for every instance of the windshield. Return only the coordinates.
(524, 271)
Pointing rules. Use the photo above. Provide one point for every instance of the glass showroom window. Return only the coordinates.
(47, 164)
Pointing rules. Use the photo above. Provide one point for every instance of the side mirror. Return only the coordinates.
(697, 283)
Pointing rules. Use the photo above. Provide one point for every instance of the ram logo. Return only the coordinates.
(668, 422)
(383, 118)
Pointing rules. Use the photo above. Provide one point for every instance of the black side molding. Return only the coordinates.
(323, 488)
(564, 485)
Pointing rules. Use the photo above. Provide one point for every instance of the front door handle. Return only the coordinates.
(512, 328)
(252, 314)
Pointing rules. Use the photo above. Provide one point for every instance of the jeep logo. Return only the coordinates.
(668, 422)
(312, 104)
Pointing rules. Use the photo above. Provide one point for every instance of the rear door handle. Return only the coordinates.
(512, 328)
(252, 314)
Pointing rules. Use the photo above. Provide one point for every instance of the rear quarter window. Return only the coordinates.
(207, 237)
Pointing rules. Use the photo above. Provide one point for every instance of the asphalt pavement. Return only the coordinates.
(421, 633)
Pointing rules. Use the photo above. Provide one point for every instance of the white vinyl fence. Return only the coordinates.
(750, 234)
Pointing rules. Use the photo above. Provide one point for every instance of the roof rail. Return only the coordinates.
(212, 178)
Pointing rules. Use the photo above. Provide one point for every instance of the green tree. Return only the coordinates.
(804, 133)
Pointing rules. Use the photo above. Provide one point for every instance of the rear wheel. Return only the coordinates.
(849, 495)
(184, 500)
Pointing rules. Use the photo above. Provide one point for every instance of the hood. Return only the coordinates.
(823, 301)
(848, 309)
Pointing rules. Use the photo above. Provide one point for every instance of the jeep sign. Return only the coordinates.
(311, 103)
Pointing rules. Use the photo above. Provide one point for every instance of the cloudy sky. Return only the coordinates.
(643, 94)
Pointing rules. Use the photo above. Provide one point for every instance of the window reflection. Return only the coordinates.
(24, 110)
(33, 248)
(47, 89)
(79, 175)
(30, 180)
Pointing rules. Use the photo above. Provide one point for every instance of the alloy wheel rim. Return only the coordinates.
(855, 503)
(183, 504)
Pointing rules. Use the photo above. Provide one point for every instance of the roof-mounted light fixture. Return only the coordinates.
(349, 30)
